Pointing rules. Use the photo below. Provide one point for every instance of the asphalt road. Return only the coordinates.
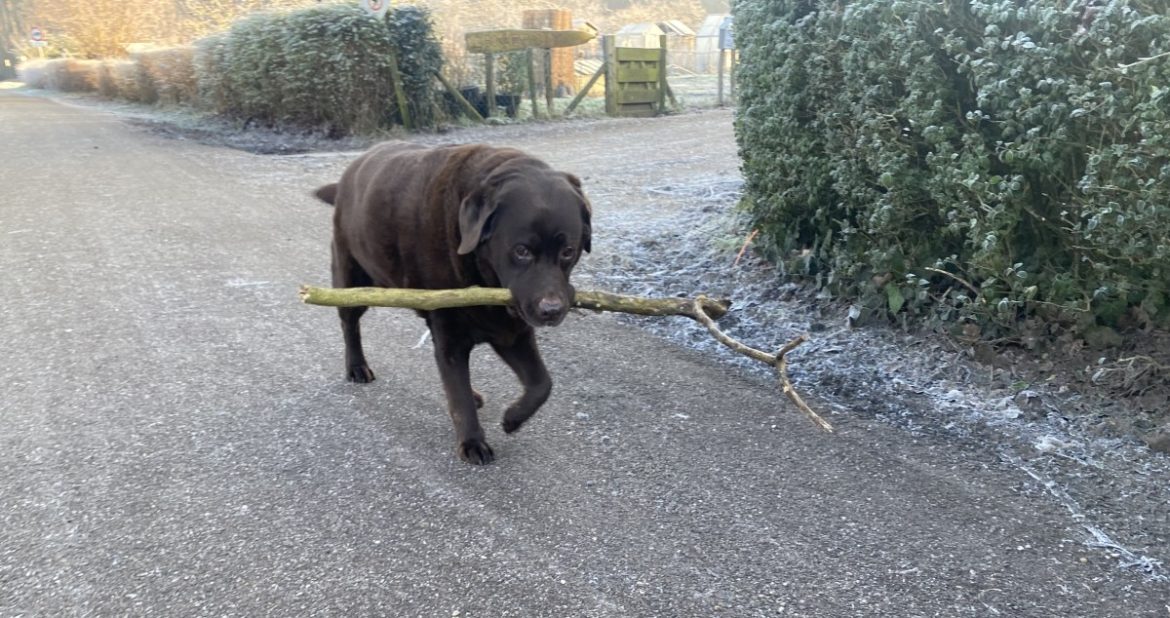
(177, 439)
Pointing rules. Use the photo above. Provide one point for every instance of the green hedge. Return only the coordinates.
(323, 67)
(326, 66)
(1022, 148)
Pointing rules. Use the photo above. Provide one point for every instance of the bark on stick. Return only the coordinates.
(701, 309)
(430, 300)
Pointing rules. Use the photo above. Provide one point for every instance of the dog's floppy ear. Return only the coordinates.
(586, 213)
(327, 194)
(475, 213)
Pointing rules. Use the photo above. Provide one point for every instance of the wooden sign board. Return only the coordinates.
(498, 41)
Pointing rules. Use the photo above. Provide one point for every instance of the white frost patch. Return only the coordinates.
(244, 283)
(687, 243)
(1050, 444)
(1127, 558)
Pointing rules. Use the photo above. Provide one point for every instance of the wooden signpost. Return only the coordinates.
(492, 42)
(499, 41)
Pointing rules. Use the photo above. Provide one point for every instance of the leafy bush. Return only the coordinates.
(64, 74)
(131, 81)
(323, 67)
(171, 71)
(326, 66)
(420, 58)
(211, 80)
(989, 159)
(255, 65)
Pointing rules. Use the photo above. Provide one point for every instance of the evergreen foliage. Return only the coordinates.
(1021, 147)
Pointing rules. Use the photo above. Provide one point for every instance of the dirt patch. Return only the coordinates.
(1073, 422)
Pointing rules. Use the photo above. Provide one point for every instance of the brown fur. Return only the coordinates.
(410, 216)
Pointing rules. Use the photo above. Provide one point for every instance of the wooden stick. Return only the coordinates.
(720, 88)
(786, 384)
(400, 93)
(489, 75)
(747, 241)
(661, 109)
(609, 63)
(430, 300)
(464, 104)
(778, 361)
(584, 91)
(670, 94)
(546, 60)
(532, 82)
(974, 290)
(702, 309)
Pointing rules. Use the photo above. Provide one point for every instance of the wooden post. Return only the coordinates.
(489, 74)
(400, 92)
(661, 75)
(719, 101)
(670, 95)
(584, 91)
(546, 57)
(731, 77)
(464, 104)
(609, 57)
(532, 83)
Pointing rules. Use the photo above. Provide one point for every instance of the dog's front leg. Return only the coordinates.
(523, 357)
(452, 353)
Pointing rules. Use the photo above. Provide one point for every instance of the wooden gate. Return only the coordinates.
(635, 79)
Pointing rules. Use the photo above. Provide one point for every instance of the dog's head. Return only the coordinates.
(529, 224)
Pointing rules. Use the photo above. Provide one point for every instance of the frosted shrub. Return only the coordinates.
(995, 161)
(324, 67)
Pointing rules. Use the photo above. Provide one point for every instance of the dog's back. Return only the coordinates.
(385, 220)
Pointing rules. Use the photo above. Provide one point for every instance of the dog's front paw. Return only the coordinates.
(515, 417)
(478, 399)
(476, 452)
(360, 374)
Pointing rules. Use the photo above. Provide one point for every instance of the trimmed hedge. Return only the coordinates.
(1022, 148)
(420, 58)
(64, 74)
(326, 66)
(150, 77)
(323, 67)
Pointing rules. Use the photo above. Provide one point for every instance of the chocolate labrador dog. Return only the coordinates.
(410, 216)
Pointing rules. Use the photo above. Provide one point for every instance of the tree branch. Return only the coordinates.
(430, 300)
(778, 361)
(702, 309)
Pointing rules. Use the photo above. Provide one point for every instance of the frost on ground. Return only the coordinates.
(917, 383)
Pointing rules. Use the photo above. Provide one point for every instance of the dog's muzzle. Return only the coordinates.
(548, 311)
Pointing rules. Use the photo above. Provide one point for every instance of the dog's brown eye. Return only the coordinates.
(522, 253)
(567, 253)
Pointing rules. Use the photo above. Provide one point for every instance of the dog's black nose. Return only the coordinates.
(550, 308)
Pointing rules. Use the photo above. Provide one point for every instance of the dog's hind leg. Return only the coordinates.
(523, 357)
(348, 274)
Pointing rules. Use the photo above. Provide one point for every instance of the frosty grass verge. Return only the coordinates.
(866, 371)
